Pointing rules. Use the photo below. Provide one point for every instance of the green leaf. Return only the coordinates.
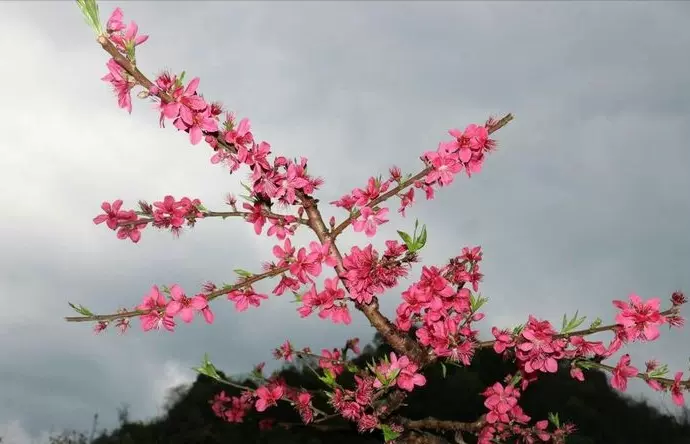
(388, 433)
(573, 323)
(246, 187)
(243, 273)
(407, 239)
(659, 372)
(515, 379)
(443, 370)
(477, 303)
(587, 365)
(89, 8)
(597, 322)
(208, 369)
(553, 418)
(81, 309)
(201, 207)
(421, 240)
(328, 378)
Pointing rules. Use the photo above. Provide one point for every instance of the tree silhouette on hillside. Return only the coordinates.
(601, 414)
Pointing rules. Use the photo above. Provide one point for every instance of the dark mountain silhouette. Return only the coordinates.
(601, 414)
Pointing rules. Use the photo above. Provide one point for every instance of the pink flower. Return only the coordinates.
(407, 378)
(285, 351)
(576, 373)
(503, 339)
(240, 136)
(124, 38)
(303, 405)
(268, 396)
(115, 23)
(323, 253)
(196, 122)
(444, 165)
(622, 372)
(189, 110)
(331, 361)
(340, 314)
(353, 344)
(347, 202)
(121, 83)
(132, 232)
(367, 423)
(641, 320)
(369, 219)
(539, 351)
(113, 215)
(304, 264)
(585, 348)
(154, 303)
(365, 275)
(284, 253)
(286, 282)
(255, 216)
(372, 191)
(280, 227)
(500, 401)
(406, 200)
(185, 307)
(244, 298)
(288, 184)
(677, 390)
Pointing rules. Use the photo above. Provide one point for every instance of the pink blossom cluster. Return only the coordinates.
(123, 36)
(168, 213)
(538, 346)
(160, 312)
(467, 151)
(444, 311)
(398, 371)
(113, 216)
(234, 409)
(392, 371)
(370, 217)
(353, 404)
(506, 419)
(539, 350)
(367, 275)
(126, 39)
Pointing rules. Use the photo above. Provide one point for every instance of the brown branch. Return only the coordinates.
(442, 425)
(209, 296)
(404, 184)
(128, 66)
(400, 342)
(412, 437)
(222, 214)
(584, 332)
(643, 376)
(316, 426)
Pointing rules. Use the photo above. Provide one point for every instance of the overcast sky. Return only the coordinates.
(586, 200)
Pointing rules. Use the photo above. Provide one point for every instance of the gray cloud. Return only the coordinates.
(584, 202)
